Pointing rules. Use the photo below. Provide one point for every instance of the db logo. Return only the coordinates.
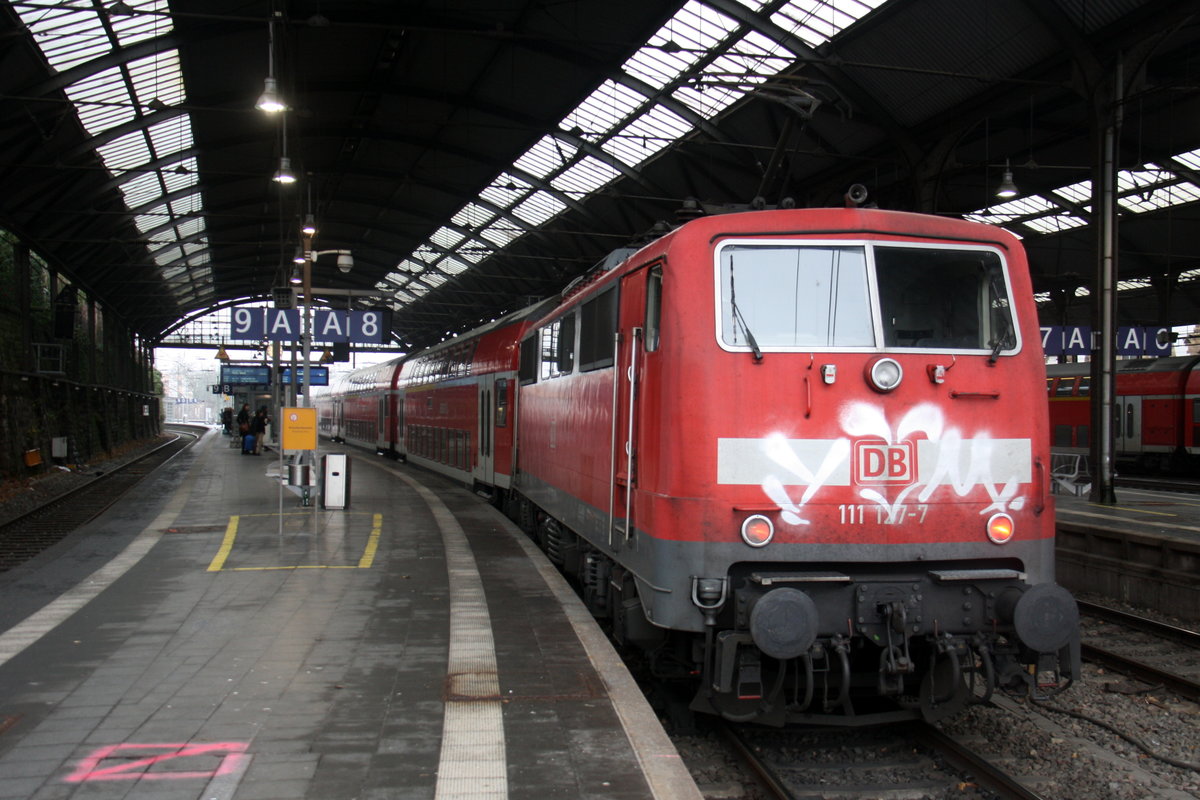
(882, 463)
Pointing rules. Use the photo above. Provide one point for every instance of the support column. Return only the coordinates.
(1104, 290)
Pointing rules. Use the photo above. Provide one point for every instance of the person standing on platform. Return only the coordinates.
(258, 427)
(243, 429)
(227, 420)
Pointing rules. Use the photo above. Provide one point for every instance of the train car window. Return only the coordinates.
(566, 344)
(1065, 388)
(789, 296)
(597, 325)
(1062, 436)
(653, 308)
(944, 299)
(527, 372)
(1085, 387)
(558, 347)
(1083, 436)
(1050, 386)
(501, 402)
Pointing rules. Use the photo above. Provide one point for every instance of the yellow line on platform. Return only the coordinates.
(368, 556)
(365, 562)
(226, 546)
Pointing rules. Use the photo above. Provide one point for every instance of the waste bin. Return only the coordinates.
(335, 480)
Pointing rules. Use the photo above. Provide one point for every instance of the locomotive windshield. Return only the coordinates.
(789, 296)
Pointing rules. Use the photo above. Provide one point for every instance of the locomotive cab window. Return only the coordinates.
(791, 296)
(944, 299)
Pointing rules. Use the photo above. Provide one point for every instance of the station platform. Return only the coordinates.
(211, 637)
(1144, 549)
(1136, 511)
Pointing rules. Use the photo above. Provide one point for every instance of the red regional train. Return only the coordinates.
(1156, 414)
(792, 455)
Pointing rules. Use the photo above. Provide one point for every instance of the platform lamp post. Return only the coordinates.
(345, 263)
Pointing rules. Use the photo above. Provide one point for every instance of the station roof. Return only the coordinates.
(473, 155)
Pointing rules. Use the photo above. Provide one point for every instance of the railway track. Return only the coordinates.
(1148, 644)
(28, 535)
(908, 760)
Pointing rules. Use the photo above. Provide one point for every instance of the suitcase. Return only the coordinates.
(248, 443)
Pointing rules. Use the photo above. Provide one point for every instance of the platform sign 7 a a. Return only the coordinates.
(328, 326)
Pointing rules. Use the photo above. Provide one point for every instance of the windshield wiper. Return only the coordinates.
(750, 340)
(1005, 339)
(740, 320)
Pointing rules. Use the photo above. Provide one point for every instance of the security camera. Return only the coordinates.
(345, 262)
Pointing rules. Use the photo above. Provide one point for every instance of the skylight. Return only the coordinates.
(150, 162)
(1150, 188)
(697, 65)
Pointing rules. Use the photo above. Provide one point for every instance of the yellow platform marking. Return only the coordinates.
(364, 562)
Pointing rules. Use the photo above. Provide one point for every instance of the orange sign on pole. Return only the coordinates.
(299, 430)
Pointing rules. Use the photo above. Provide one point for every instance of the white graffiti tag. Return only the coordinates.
(943, 458)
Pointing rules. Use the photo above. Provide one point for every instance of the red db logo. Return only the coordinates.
(881, 463)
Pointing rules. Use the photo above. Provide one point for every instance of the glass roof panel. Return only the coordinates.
(506, 190)
(539, 207)
(150, 20)
(1054, 223)
(69, 32)
(101, 100)
(546, 157)
(472, 216)
(1078, 193)
(125, 153)
(503, 232)
(190, 227)
(1191, 159)
(585, 177)
(157, 77)
(141, 189)
(647, 135)
(604, 109)
(446, 238)
(817, 21)
(453, 266)
(1161, 197)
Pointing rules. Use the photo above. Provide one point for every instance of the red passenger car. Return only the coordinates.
(1156, 414)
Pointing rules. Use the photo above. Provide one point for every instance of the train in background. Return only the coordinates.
(1156, 412)
(799, 458)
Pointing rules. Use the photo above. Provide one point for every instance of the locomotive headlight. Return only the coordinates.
(884, 374)
(1000, 528)
(757, 530)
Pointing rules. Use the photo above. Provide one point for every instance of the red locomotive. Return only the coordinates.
(1156, 424)
(790, 454)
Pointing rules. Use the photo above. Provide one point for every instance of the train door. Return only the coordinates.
(1128, 425)
(639, 290)
(485, 470)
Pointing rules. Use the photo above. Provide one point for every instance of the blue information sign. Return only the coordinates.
(317, 376)
(1076, 340)
(287, 325)
(234, 375)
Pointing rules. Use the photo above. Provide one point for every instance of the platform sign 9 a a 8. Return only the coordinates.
(287, 325)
